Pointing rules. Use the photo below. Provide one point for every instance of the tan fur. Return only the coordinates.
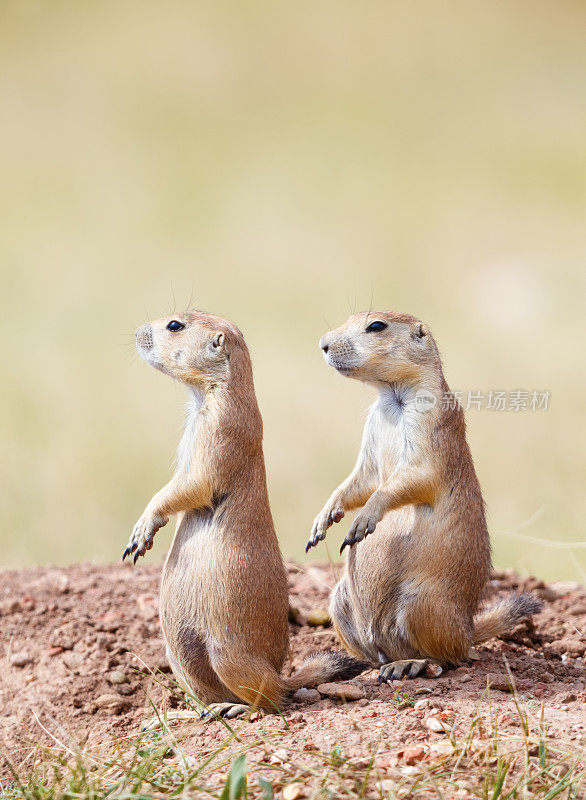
(224, 591)
(412, 588)
(502, 615)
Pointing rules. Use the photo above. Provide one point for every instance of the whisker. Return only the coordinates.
(349, 304)
(190, 298)
(174, 300)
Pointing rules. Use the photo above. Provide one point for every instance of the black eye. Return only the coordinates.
(175, 325)
(376, 326)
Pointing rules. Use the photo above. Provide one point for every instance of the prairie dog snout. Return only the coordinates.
(144, 337)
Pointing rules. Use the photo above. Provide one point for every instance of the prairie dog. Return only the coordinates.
(224, 592)
(419, 555)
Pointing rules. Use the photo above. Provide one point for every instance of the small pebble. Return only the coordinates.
(124, 689)
(319, 617)
(28, 602)
(293, 791)
(306, 696)
(117, 677)
(279, 757)
(499, 681)
(440, 749)
(388, 786)
(570, 697)
(342, 691)
(559, 770)
(108, 622)
(413, 754)
(570, 647)
(20, 659)
(110, 702)
(410, 771)
(579, 608)
(546, 593)
(10, 606)
(436, 725)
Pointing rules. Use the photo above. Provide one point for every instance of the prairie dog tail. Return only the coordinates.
(504, 614)
(323, 667)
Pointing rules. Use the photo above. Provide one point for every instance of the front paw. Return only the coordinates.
(332, 512)
(364, 524)
(143, 535)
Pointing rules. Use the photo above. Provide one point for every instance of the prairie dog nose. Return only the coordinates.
(324, 344)
(144, 337)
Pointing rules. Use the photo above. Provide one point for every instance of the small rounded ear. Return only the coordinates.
(418, 331)
(218, 340)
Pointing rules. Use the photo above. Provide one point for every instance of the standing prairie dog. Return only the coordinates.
(224, 593)
(410, 591)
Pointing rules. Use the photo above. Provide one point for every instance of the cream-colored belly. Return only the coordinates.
(183, 604)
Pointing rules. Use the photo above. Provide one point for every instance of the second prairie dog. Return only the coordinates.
(224, 592)
(419, 556)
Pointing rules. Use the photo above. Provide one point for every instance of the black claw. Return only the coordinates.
(136, 557)
(125, 553)
(345, 543)
(133, 547)
(415, 670)
(307, 547)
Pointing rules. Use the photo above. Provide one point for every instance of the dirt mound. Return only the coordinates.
(78, 643)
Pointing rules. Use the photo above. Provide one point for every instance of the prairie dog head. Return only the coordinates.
(192, 347)
(382, 347)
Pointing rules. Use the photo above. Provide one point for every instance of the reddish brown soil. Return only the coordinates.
(65, 631)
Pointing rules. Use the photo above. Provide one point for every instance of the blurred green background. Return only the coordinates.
(284, 164)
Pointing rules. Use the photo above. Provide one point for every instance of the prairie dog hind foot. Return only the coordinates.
(212, 712)
(224, 710)
(408, 668)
